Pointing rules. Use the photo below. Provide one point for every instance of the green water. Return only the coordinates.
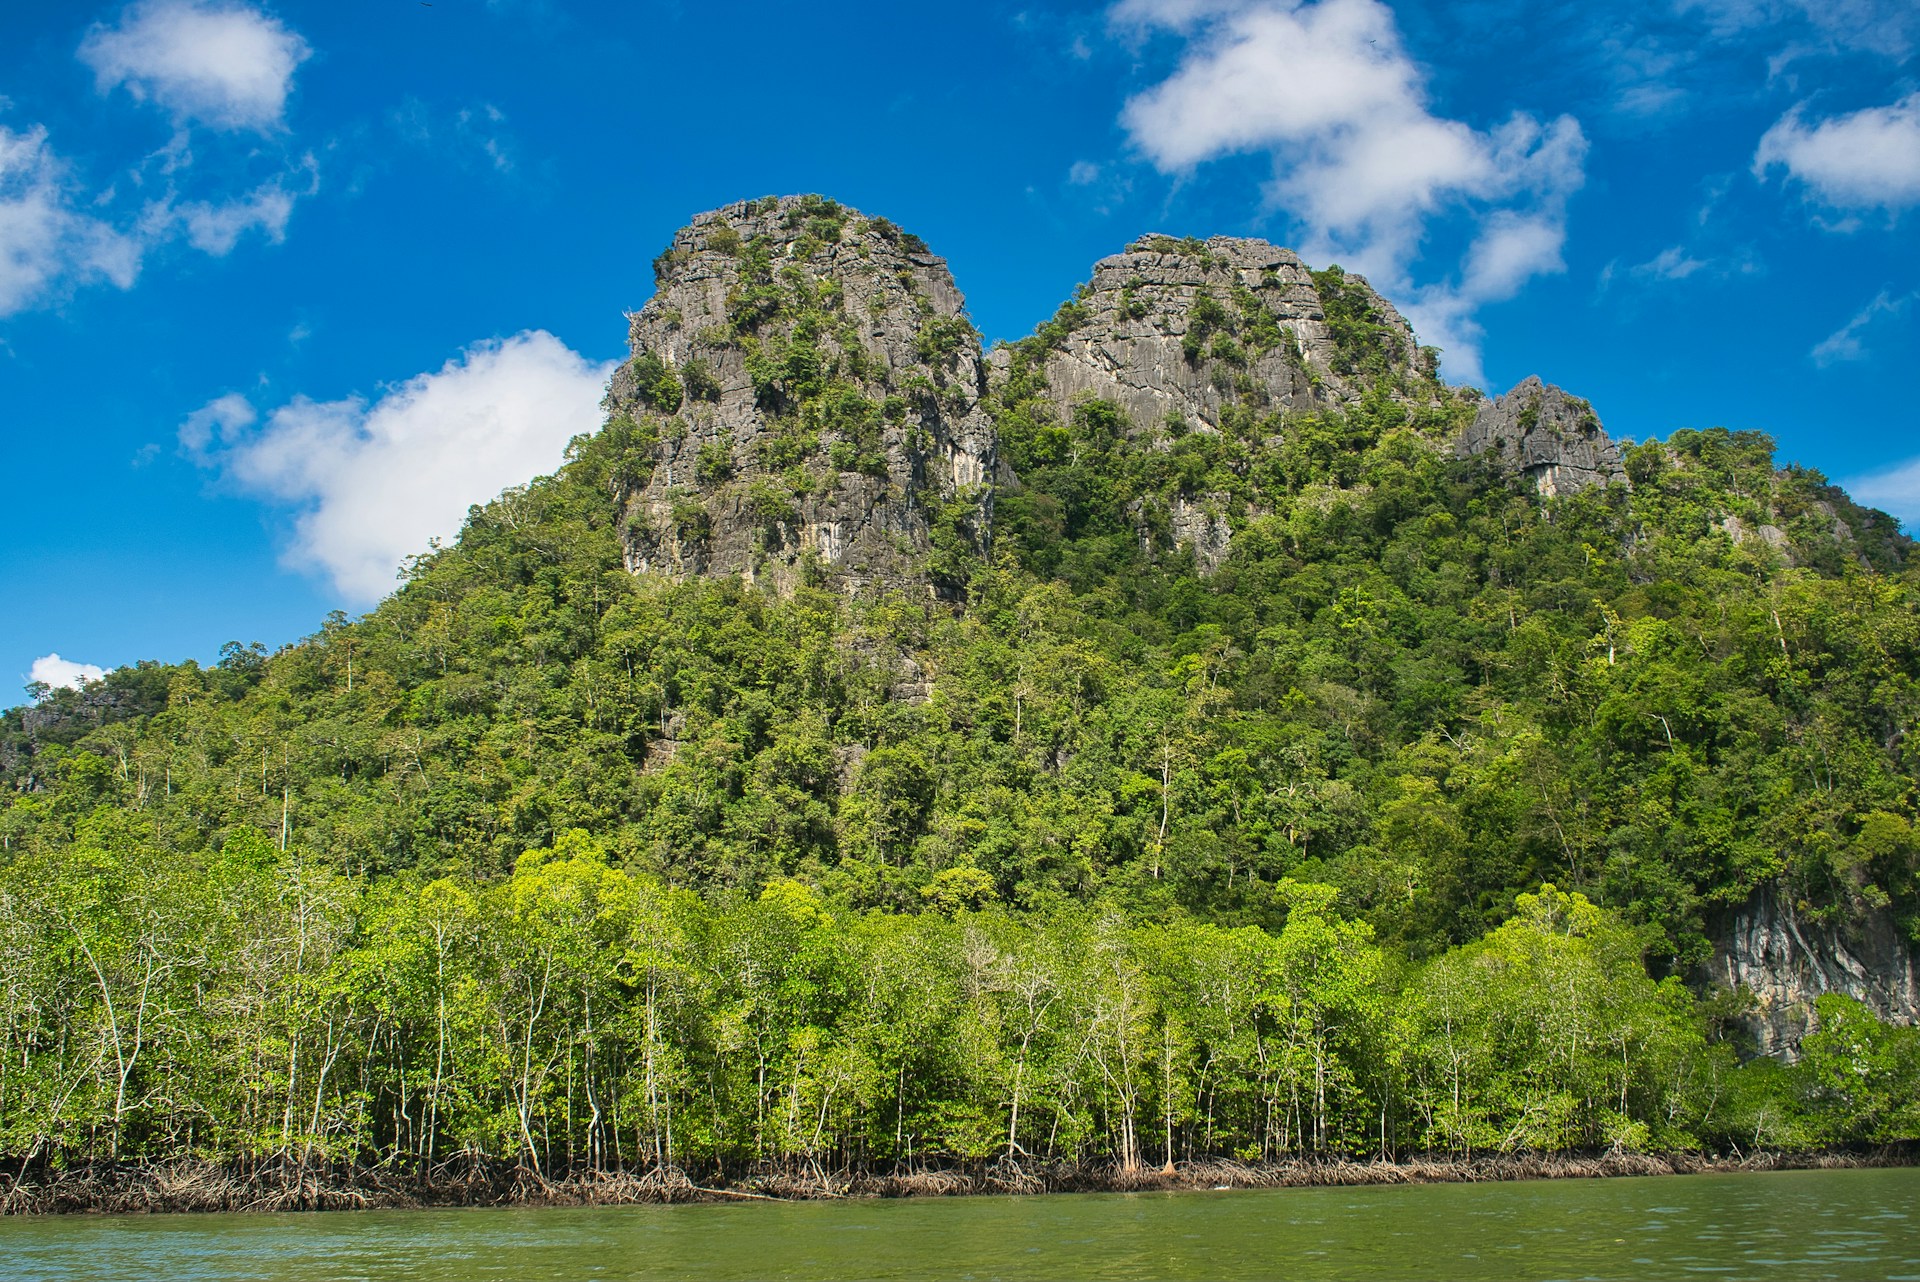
(1797, 1224)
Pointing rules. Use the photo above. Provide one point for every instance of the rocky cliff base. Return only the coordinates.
(1785, 962)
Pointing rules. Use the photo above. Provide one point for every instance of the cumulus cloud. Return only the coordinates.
(48, 244)
(1895, 490)
(52, 670)
(1865, 159)
(1359, 157)
(220, 64)
(375, 481)
(1848, 343)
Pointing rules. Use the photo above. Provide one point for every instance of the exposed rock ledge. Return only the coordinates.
(1542, 433)
(1786, 963)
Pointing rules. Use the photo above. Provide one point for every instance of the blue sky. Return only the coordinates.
(283, 288)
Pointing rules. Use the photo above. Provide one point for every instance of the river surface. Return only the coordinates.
(1789, 1224)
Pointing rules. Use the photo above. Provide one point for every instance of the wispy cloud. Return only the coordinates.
(1360, 159)
(373, 482)
(1677, 263)
(215, 227)
(477, 134)
(212, 62)
(1671, 263)
(224, 65)
(222, 419)
(1874, 26)
(1848, 343)
(49, 243)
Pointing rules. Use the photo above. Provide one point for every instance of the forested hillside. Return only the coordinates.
(1399, 817)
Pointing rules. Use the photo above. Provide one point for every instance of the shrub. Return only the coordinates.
(689, 517)
(701, 382)
(940, 340)
(765, 503)
(656, 383)
(714, 462)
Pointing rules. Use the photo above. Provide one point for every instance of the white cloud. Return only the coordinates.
(1327, 90)
(1648, 73)
(1511, 250)
(52, 670)
(214, 228)
(47, 244)
(225, 65)
(1863, 160)
(53, 239)
(1895, 490)
(376, 481)
(1083, 172)
(484, 128)
(1848, 342)
(1176, 15)
(1671, 263)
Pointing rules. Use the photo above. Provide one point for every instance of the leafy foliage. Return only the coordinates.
(577, 1015)
(1363, 342)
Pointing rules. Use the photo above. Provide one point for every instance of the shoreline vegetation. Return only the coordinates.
(189, 1186)
(251, 1033)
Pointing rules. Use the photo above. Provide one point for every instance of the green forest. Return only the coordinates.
(1405, 830)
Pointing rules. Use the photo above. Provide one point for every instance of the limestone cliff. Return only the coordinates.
(1784, 963)
(1175, 331)
(818, 407)
(1553, 439)
(815, 389)
(1177, 339)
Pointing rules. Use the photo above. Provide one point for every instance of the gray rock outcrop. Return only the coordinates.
(816, 406)
(1191, 336)
(1542, 433)
(1180, 329)
(815, 389)
(1785, 963)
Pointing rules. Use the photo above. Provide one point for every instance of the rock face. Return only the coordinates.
(1542, 433)
(815, 407)
(1177, 330)
(1786, 963)
(815, 389)
(1179, 338)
